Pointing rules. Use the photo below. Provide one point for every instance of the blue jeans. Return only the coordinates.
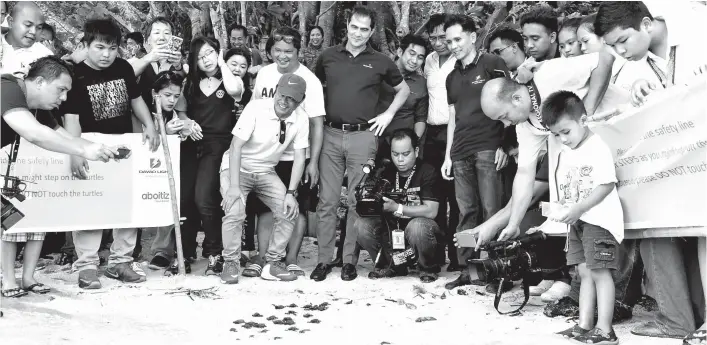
(271, 191)
(421, 234)
(479, 193)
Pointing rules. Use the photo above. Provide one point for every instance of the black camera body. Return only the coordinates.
(370, 192)
(512, 260)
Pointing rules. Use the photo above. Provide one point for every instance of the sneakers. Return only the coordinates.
(276, 270)
(126, 272)
(541, 288)
(173, 269)
(88, 279)
(137, 268)
(215, 265)
(565, 306)
(573, 332)
(596, 337)
(557, 290)
(230, 272)
(158, 263)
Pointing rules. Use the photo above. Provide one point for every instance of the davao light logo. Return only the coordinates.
(155, 163)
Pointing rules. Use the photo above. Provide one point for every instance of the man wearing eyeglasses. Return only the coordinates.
(507, 44)
(285, 54)
(263, 132)
(354, 74)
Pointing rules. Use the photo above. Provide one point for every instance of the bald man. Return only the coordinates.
(19, 46)
(517, 104)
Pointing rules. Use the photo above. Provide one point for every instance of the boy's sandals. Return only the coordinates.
(252, 270)
(13, 293)
(698, 337)
(37, 288)
(296, 270)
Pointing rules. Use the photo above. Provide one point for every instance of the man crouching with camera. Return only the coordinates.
(405, 233)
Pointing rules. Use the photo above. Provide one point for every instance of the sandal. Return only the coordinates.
(38, 288)
(252, 270)
(13, 293)
(296, 270)
(698, 337)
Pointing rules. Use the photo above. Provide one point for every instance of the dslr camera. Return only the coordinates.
(510, 261)
(373, 187)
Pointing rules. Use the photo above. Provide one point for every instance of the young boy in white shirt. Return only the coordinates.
(586, 180)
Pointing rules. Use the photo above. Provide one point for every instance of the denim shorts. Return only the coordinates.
(592, 245)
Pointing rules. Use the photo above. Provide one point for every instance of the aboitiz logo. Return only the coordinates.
(157, 196)
(155, 164)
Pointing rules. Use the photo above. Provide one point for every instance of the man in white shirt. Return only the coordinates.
(438, 65)
(665, 36)
(263, 132)
(285, 54)
(19, 46)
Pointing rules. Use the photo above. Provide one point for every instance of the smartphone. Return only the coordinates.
(466, 240)
(175, 43)
(122, 153)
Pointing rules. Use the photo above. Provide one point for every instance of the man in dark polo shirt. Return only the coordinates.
(473, 150)
(354, 74)
(540, 33)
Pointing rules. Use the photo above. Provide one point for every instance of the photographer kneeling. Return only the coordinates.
(418, 183)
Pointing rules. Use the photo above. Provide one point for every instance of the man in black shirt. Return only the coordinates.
(540, 33)
(420, 183)
(101, 99)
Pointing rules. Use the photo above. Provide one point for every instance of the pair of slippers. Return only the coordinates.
(37, 288)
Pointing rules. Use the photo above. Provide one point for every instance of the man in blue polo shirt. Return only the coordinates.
(354, 74)
(473, 152)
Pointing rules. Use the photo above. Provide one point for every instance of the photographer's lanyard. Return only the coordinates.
(669, 79)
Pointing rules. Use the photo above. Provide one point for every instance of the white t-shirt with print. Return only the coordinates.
(313, 104)
(259, 127)
(579, 172)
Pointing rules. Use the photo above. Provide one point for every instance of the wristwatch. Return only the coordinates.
(399, 212)
(292, 191)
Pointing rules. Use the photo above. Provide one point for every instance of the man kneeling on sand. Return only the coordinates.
(263, 132)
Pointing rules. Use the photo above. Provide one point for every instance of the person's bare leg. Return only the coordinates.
(295, 243)
(605, 297)
(32, 251)
(587, 298)
(9, 251)
(264, 231)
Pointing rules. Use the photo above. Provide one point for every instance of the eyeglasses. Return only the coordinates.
(498, 51)
(288, 39)
(201, 57)
(283, 131)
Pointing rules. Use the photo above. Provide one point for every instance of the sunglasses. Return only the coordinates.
(286, 38)
(283, 131)
(498, 51)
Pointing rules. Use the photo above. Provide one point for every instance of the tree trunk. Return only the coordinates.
(207, 28)
(404, 25)
(219, 24)
(327, 15)
(497, 18)
(157, 9)
(132, 17)
(244, 21)
(379, 37)
(306, 13)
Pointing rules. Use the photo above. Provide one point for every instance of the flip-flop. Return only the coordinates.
(13, 293)
(38, 288)
(296, 270)
(253, 270)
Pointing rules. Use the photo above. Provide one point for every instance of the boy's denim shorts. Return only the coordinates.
(592, 245)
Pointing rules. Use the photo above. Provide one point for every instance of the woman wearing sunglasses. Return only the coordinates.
(208, 99)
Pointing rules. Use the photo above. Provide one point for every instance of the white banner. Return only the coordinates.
(129, 193)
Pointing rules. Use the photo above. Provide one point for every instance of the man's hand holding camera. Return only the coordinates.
(389, 205)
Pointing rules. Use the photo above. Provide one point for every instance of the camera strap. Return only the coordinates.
(499, 292)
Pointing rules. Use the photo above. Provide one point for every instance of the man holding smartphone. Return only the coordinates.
(420, 183)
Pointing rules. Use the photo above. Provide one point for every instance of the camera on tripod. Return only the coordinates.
(373, 187)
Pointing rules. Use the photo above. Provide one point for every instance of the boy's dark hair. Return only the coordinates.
(268, 47)
(588, 22)
(50, 29)
(135, 36)
(365, 12)
(413, 39)
(560, 104)
(542, 15)
(163, 20)
(466, 22)
(288, 31)
(508, 35)
(435, 21)
(102, 30)
(570, 24)
(238, 27)
(50, 68)
(165, 79)
(619, 14)
(402, 133)
(195, 74)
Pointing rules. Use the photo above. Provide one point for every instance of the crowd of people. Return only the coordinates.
(269, 139)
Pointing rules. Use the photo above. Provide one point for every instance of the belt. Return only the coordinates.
(348, 127)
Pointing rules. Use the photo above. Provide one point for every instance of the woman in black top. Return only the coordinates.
(209, 95)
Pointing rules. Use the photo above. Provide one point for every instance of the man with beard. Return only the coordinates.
(20, 46)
